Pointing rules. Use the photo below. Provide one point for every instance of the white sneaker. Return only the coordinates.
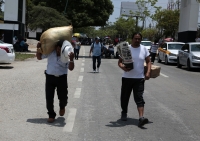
(97, 69)
(94, 71)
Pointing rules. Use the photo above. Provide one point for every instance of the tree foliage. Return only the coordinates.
(81, 13)
(1, 2)
(145, 7)
(167, 20)
(46, 18)
(125, 27)
(149, 33)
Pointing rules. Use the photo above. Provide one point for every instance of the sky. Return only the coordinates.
(117, 6)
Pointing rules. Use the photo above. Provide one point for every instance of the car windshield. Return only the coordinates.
(175, 46)
(146, 43)
(195, 47)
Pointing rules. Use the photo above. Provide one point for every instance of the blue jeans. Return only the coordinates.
(98, 58)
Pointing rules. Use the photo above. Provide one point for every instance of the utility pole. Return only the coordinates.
(137, 23)
(178, 3)
(65, 7)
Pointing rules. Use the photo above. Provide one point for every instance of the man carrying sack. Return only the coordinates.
(59, 61)
(134, 79)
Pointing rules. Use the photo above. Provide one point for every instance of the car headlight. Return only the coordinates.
(195, 57)
(171, 54)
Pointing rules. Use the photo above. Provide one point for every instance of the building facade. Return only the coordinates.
(14, 19)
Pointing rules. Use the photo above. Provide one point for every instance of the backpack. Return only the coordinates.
(102, 47)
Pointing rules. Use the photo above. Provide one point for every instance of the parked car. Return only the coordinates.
(147, 44)
(7, 54)
(168, 52)
(86, 41)
(189, 56)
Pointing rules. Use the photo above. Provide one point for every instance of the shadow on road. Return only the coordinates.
(59, 122)
(130, 121)
(6, 67)
(81, 56)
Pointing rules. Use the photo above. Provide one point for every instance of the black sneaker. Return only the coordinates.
(142, 121)
(124, 117)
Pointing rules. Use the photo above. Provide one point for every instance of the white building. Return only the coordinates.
(14, 19)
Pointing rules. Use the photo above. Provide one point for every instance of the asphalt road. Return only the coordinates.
(93, 112)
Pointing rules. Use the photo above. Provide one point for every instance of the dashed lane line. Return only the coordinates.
(77, 93)
(164, 75)
(70, 120)
(82, 70)
(80, 78)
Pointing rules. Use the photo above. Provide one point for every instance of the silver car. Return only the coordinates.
(147, 44)
(189, 56)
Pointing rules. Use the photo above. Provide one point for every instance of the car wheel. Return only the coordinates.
(188, 65)
(159, 59)
(178, 63)
(166, 61)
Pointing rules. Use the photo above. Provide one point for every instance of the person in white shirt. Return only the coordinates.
(134, 79)
(153, 50)
(56, 77)
(198, 38)
(77, 48)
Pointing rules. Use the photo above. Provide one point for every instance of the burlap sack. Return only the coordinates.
(50, 37)
(155, 70)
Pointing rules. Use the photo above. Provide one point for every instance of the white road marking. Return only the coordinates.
(77, 93)
(164, 75)
(82, 64)
(80, 78)
(82, 70)
(70, 120)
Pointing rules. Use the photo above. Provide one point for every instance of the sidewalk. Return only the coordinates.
(33, 51)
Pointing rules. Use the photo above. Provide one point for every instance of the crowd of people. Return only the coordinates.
(19, 44)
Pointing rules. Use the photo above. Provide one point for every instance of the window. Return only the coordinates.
(164, 46)
(175, 46)
(195, 48)
(146, 43)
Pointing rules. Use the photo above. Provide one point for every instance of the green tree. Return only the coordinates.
(125, 27)
(145, 7)
(45, 18)
(1, 2)
(81, 13)
(150, 33)
(167, 20)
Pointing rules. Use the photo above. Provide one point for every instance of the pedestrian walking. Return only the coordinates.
(134, 79)
(153, 50)
(56, 76)
(96, 50)
(77, 48)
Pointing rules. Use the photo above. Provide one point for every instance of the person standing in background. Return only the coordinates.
(153, 50)
(77, 48)
(198, 38)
